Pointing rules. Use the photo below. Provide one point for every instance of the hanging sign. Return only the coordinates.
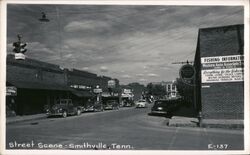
(187, 72)
(97, 90)
(19, 56)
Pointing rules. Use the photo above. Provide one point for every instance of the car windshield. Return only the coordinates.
(158, 102)
(161, 102)
(61, 102)
(141, 101)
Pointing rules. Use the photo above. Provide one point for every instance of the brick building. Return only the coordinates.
(219, 72)
(32, 84)
(37, 83)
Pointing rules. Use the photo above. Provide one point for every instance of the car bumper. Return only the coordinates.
(108, 108)
(54, 114)
(127, 105)
(89, 110)
(158, 112)
(141, 106)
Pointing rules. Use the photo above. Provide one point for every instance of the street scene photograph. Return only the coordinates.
(124, 77)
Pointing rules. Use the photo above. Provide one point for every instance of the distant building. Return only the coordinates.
(136, 88)
(171, 89)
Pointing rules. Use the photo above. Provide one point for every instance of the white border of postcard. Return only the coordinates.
(3, 33)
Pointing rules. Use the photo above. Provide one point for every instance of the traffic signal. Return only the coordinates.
(23, 49)
(19, 47)
(44, 18)
(16, 47)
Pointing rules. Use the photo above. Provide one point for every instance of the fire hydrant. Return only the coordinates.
(200, 119)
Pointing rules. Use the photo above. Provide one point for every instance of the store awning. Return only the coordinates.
(38, 85)
(79, 93)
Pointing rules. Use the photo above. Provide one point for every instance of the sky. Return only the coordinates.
(133, 43)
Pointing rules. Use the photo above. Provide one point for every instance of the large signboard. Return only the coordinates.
(127, 91)
(222, 69)
(97, 90)
(111, 84)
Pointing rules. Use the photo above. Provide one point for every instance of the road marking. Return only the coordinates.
(173, 139)
(206, 134)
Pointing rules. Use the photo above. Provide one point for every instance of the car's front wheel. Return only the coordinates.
(64, 114)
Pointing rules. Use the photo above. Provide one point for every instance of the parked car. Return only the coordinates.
(111, 105)
(165, 107)
(141, 103)
(63, 107)
(92, 106)
(128, 103)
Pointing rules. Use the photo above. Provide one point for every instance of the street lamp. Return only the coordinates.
(44, 18)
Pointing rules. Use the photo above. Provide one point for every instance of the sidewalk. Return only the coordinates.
(16, 119)
(178, 121)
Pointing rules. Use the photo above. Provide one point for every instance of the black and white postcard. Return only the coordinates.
(128, 77)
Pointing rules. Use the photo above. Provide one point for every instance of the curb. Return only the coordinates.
(183, 125)
(24, 120)
(222, 126)
(192, 122)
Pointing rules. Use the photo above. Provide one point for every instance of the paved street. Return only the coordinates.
(127, 128)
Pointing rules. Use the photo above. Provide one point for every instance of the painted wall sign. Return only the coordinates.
(76, 86)
(222, 69)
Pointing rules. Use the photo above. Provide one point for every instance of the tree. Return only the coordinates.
(157, 89)
(186, 90)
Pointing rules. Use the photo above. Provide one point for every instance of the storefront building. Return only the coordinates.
(32, 85)
(81, 84)
(36, 83)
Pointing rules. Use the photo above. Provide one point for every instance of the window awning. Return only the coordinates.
(38, 85)
(79, 93)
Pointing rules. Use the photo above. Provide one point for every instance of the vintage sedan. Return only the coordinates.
(93, 106)
(141, 103)
(165, 107)
(63, 107)
(111, 105)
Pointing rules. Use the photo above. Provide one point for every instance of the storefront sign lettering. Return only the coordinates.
(222, 69)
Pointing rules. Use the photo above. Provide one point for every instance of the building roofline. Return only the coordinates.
(220, 27)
